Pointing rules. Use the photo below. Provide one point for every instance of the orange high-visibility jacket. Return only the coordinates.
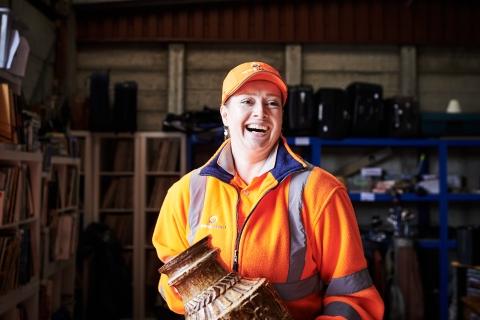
(300, 233)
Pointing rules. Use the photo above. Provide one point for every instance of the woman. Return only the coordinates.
(269, 212)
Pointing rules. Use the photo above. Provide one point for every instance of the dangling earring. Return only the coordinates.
(226, 134)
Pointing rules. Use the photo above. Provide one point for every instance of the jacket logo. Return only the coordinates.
(212, 224)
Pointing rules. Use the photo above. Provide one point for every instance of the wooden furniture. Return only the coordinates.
(162, 161)
(20, 235)
(60, 229)
(131, 174)
(84, 139)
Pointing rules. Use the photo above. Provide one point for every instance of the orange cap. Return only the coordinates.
(250, 71)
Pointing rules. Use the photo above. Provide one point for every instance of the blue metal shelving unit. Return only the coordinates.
(443, 244)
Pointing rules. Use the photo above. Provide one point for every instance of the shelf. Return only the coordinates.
(163, 173)
(435, 244)
(13, 298)
(384, 197)
(18, 223)
(54, 267)
(466, 197)
(116, 210)
(117, 173)
(65, 161)
(66, 209)
(9, 155)
(379, 142)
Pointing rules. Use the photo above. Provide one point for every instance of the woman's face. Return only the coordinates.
(254, 118)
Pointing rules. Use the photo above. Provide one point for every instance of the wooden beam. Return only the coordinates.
(293, 64)
(176, 71)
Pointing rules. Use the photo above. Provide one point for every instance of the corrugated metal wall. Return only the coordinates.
(417, 22)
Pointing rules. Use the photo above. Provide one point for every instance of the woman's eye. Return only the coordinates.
(273, 104)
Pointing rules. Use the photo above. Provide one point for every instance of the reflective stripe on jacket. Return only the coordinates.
(301, 235)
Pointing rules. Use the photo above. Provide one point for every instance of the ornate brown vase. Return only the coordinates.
(210, 292)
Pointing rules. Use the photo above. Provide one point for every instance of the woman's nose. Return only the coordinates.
(258, 110)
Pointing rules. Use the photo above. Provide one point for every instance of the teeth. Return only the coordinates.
(256, 127)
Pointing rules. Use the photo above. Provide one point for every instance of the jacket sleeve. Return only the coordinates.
(169, 239)
(349, 291)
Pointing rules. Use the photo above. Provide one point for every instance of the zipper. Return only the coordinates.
(236, 250)
(239, 234)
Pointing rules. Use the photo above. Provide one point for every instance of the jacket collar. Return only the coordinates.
(280, 163)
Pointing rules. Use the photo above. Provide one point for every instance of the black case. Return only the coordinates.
(125, 107)
(299, 110)
(402, 117)
(100, 115)
(332, 113)
(366, 102)
(468, 245)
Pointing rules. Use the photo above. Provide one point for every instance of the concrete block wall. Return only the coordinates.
(333, 66)
(449, 73)
(207, 65)
(147, 66)
(442, 74)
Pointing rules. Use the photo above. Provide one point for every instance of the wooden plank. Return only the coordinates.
(198, 23)
(107, 30)
(196, 99)
(167, 26)
(350, 59)
(227, 23)
(347, 17)
(405, 24)
(389, 81)
(452, 61)
(391, 22)
(272, 21)
(421, 16)
(150, 121)
(181, 25)
(302, 22)
(150, 26)
(287, 22)
(137, 21)
(465, 23)
(214, 23)
(122, 28)
(332, 22)
(152, 100)
(257, 26)
(362, 22)
(133, 59)
(436, 28)
(241, 16)
(376, 22)
(474, 23)
(317, 22)
(204, 57)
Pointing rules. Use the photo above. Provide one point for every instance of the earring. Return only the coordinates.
(226, 134)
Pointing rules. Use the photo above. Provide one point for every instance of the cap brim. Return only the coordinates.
(261, 75)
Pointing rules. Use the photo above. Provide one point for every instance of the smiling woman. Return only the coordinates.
(253, 117)
(271, 214)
